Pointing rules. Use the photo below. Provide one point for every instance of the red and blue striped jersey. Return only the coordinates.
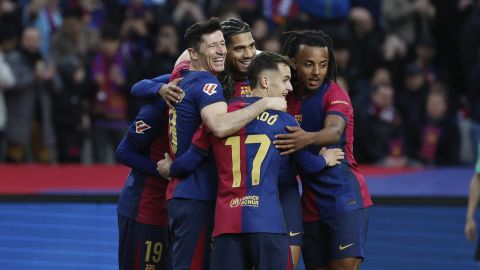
(248, 167)
(201, 89)
(242, 89)
(340, 188)
(143, 195)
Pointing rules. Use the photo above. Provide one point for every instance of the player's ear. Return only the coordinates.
(292, 61)
(193, 54)
(264, 81)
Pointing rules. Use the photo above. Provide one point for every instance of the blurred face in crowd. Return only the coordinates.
(436, 105)
(31, 40)
(110, 47)
(72, 26)
(311, 66)
(241, 52)
(382, 97)
(167, 39)
(211, 54)
(414, 82)
(342, 57)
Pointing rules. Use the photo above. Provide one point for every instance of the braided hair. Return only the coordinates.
(231, 27)
(314, 38)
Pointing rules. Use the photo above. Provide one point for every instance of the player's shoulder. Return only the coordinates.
(206, 81)
(337, 95)
(281, 118)
(335, 90)
(202, 76)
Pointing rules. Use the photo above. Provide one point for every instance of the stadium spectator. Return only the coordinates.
(439, 135)
(378, 118)
(45, 15)
(29, 104)
(410, 19)
(7, 79)
(411, 103)
(109, 104)
(70, 50)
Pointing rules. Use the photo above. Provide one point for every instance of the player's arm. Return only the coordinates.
(473, 197)
(129, 155)
(309, 163)
(184, 165)
(149, 87)
(299, 138)
(189, 161)
(223, 124)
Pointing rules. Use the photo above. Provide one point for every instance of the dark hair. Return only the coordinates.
(110, 32)
(7, 32)
(315, 38)
(232, 27)
(264, 61)
(72, 12)
(193, 34)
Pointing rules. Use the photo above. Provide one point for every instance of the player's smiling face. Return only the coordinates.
(212, 52)
(311, 64)
(279, 81)
(241, 51)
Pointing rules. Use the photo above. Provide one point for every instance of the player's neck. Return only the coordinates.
(259, 93)
(197, 66)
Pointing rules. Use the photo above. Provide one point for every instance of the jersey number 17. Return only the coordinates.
(235, 143)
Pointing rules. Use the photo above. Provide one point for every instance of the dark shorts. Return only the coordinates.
(292, 212)
(142, 246)
(191, 224)
(333, 238)
(259, 251)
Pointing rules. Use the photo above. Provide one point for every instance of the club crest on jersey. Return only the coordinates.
(141, 126)
(209, 88)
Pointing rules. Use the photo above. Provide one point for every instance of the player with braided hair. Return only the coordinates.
(335, 202)
(240, 52)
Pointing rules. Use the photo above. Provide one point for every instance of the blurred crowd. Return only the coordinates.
(411, 67)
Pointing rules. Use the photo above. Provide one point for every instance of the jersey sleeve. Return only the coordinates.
(188, 162)
(210, 91)
(130, 156)
(149, 87)
(140, 136)
(338, 103)
(179, 68)
(194, 156)
(306, 161)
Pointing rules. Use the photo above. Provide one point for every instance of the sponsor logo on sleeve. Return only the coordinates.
(339, 102)
(209, 88)
(141, 126)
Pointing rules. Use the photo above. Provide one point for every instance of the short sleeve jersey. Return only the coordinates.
(201, 89)
(340, 188)
(248, 167)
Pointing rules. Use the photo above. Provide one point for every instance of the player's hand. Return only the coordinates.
(171, 93)
(470, 229)
(276, 103)
(163, 166)
(293, 141)
(332, 156)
